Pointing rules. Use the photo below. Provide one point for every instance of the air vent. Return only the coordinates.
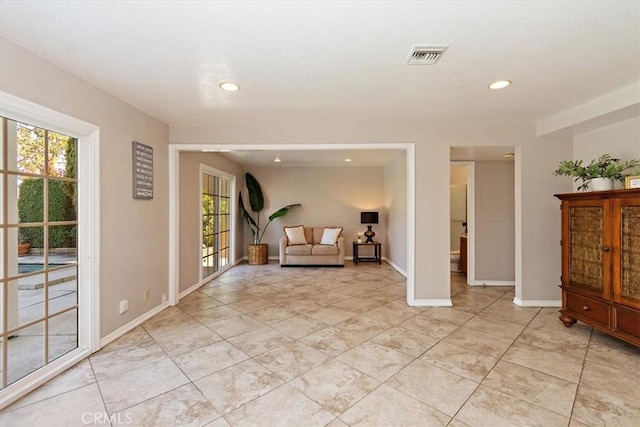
(425, 55)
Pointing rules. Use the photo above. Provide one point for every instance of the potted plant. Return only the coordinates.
(258, 251)
(600, 173)
(24, 246)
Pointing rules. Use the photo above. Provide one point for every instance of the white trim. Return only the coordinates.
(395, 266)
(471, 217)
(518, 219)
(433, 303)
(88, 135)
(131, 325)
(192, 288)
(537, 302)
(34, 380)
(174, 198)
(493, 283)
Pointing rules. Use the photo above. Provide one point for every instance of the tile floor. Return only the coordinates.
(265, 346)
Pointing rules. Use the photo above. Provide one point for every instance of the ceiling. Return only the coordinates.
(315, 158)
(330, 61)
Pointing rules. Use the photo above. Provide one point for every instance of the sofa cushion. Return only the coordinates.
(295, 235)
(324, 250)
(299, 249)
(330, 235)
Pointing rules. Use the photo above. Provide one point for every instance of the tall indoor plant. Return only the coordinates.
(258, 251)
(605, 168)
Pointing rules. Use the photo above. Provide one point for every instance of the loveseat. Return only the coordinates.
(311, 250)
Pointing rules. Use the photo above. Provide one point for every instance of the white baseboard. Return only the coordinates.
(494, 283)
(131, 325)
(395, 266)
(432, 303)
(537, 302)
(189, 290)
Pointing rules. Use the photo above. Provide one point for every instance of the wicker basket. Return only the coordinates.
(258, 254)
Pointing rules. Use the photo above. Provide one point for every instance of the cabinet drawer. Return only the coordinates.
(627, 321)
(592, 309)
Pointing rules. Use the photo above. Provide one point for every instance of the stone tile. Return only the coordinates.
(535, 387)
(214, 314)
(436, 387)
(284, 406)
(363, 326)
(272, 314)
(158, 328)
(136, 386)
(613, 381)
(337, 423)
(390, 315)
(471, 303)
(236, 325)
(447, 314)
(495, 327)
(433, 327)
(184, 406)
(301, 306)
(388, 407)
(490, 408)
(209, 359)
(220, 422)
(66, 409)
(131, 351)
(573, 343)
(291, 360)
(507, 311)
(459, 360)
(609, 351)
(191, 339)
(73, 378)
(335, 386)
(594, 407)
(550, 362)
(332, 341)
(331, 315)
(358, 304)
(491, 345)
(374, 360)
(237, 385)
(405, 341)
(299, 326)
(251, 304)
(259, 341)
(203, 303)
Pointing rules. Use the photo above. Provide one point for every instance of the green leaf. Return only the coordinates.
(282, 211)
(245, 214)
(256, 199)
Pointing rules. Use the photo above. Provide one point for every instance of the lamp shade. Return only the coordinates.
(368, 217)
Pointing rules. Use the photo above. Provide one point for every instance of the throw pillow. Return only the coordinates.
(330, 236)
(295, 235)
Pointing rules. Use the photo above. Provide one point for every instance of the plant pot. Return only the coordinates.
(601, 184)
(24, 249)
(258, 254)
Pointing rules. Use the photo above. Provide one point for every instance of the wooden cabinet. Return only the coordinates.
(601, 261)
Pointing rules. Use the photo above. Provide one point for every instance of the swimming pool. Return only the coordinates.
(30, 268)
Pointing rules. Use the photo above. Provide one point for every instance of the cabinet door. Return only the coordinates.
(586, 246)
(626, 237)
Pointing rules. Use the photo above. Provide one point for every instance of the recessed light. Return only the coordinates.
(277, 160)
(229, 87)
(509, 155)
(500, 84)
(347, 160)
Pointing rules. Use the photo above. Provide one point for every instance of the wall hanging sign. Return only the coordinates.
(142, 171)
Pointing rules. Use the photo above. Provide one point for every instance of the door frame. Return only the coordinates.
(471, 217)
(88, 135)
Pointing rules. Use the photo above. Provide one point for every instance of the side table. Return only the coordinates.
(377, 252)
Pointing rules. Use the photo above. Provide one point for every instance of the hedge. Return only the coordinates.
(31, 209)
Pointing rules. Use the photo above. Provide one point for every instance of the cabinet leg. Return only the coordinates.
(568, 321)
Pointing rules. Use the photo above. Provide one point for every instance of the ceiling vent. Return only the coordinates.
(425, 55)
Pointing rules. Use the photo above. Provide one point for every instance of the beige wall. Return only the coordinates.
(621, 140)
(494, 221)
(432, 147)
(190, 204)
(134, 233)
(329, 196)
(395, 201)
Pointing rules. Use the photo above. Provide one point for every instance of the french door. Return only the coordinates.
(215, 214)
